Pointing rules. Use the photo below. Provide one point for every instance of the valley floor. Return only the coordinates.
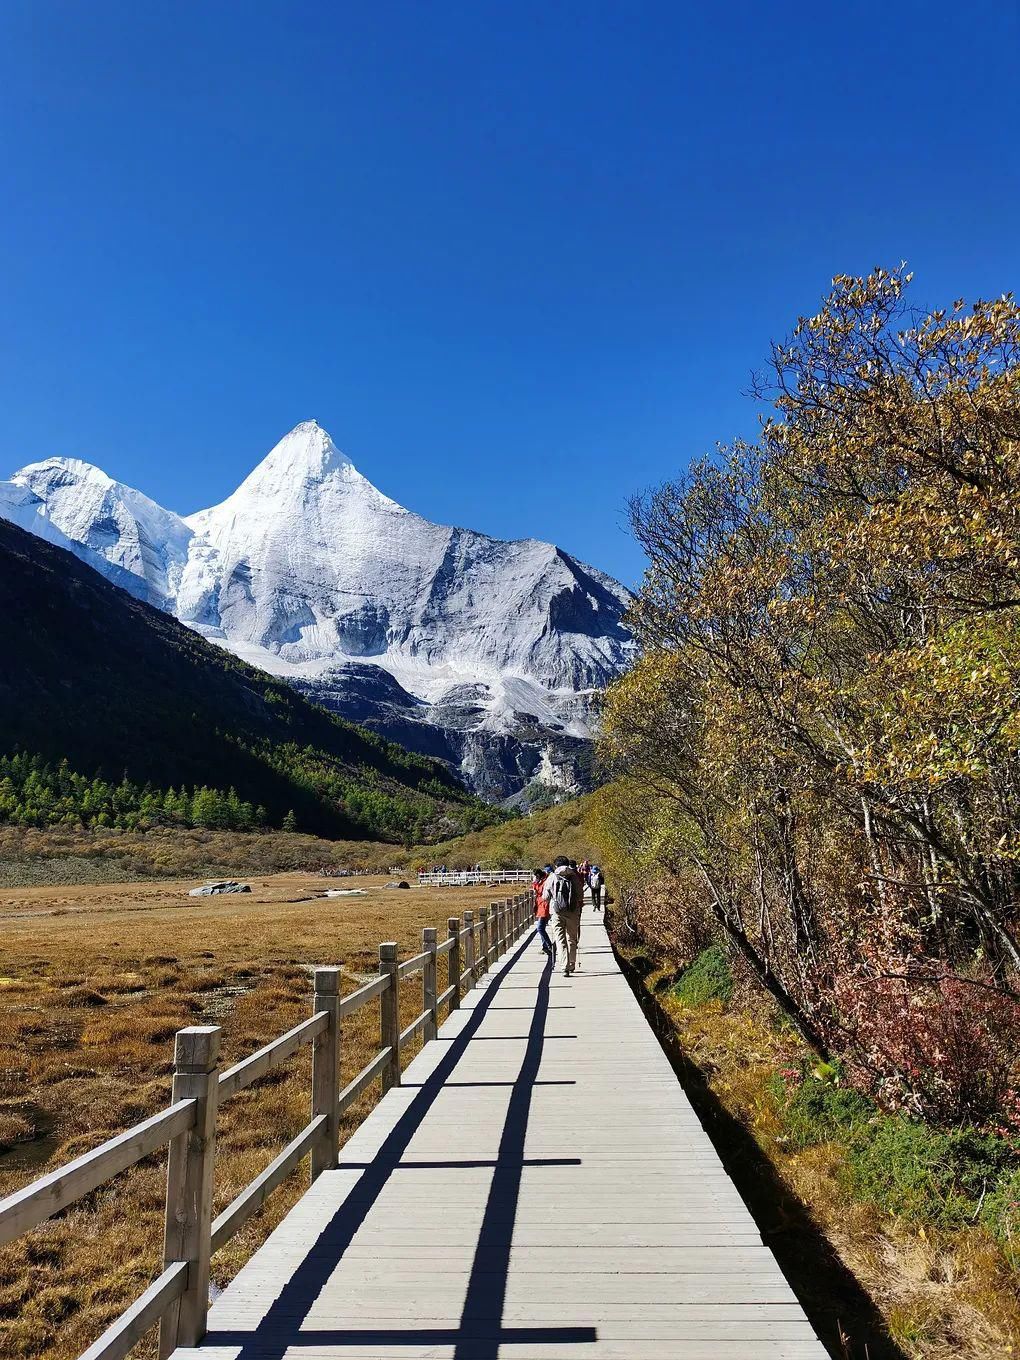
(94, 982)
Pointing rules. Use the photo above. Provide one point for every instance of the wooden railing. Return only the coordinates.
(178, 1299)
(466, 878)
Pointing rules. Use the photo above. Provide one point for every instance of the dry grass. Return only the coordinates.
(95, 981)
(53, 856)
(941, 1294)
(523, 843)
(69, 856)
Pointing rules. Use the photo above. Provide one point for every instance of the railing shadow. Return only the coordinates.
(480, 1332)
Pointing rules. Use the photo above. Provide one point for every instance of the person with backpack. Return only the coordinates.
(597, 882)
(564, 895)
(582, 877)
(542, 913)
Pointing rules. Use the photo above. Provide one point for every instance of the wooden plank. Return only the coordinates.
(250, 1200)
(33, 1204)
(249, 1070)
(558, 1182)
(124, 1334)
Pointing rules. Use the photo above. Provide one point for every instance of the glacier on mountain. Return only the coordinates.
(485, 652)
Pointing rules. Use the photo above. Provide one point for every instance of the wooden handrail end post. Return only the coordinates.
(429, 984)
(189, 1185)
(326, 1070)
(389, 1013)
(453, 931)
(469, 948)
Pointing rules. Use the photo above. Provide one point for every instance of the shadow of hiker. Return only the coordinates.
(842, 1313)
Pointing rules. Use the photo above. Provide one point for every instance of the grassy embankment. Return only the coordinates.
(95, 981)
(926, 1221)
(32, 856)
(524, 843)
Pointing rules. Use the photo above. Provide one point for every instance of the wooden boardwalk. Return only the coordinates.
(538, 1187)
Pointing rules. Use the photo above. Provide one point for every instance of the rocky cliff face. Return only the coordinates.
(484, 652)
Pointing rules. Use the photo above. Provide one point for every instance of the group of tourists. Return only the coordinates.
(559, 896)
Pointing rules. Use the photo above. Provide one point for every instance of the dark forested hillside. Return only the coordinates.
(119, 690)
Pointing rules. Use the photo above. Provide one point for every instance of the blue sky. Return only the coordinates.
(519, 258)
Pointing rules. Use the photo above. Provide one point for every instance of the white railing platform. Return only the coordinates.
(469, 878)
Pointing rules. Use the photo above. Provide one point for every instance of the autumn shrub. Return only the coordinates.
(944, 1049)
(816, 1105)
(708, 978)
(907, 1168)
(1000, 1213)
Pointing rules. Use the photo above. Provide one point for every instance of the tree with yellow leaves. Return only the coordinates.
(822, 737)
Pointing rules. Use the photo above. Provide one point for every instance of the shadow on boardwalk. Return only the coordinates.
(481, 1331)
(843, 1315)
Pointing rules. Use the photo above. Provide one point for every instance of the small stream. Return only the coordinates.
(35, 1152)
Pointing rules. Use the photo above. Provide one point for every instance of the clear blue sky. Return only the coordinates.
(518, 258)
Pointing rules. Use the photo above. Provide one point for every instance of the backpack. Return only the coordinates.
(561, 896)
(595, 878)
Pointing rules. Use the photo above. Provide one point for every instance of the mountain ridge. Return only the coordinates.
(119, 687)
(306, 569)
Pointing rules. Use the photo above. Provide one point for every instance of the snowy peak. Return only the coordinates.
(119, 524)
(307, 455)
(303, 468)
(307, 569)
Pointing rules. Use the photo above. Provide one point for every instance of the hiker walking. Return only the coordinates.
(564, 895)
(597, 883)
(581, 871)
(542, 913)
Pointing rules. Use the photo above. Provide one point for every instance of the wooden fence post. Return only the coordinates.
(326, 1070)
(389, 1014)
(483, 941)
(453, 930)
(189, 1185)
(508, 909)
(429, 988)
(469, 948)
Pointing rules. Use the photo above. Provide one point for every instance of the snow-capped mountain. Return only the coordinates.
(111, 521)
(487, 653)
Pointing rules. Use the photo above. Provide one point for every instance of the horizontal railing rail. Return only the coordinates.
(467, 878)
(178, 1299)
(249, 1070)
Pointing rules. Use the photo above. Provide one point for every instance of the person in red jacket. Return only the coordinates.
(538, 877)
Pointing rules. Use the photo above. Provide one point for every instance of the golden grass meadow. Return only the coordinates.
(94, 982)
